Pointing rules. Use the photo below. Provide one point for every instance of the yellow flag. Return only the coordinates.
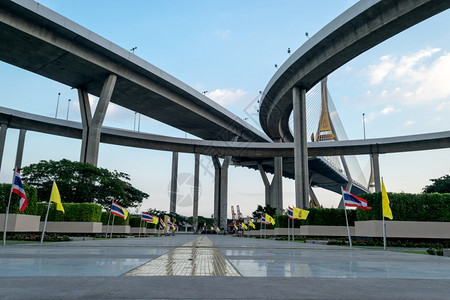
(270, 219)
(303, 214)
(296, 212)
(244, 226)
(387, 212)
(155, 220)
(56, 197)
(250, 223)
(217, 229)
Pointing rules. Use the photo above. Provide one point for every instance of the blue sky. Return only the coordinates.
(229, 48)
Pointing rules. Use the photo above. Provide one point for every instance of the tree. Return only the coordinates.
(81, 182)
(440, 185)
(257, 214)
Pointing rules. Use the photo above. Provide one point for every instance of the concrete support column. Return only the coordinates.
(3, 129)
(196, 190)
(224, 192)
(174, 183)
(20, 146)
(93, 140)
(86, 120)
(217, 173)
(300, 148)
(221, 190)
(277, 184)
(311, 192)
(267, 185)
(376, 172)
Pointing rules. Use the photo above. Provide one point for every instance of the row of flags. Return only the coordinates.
(121, 212)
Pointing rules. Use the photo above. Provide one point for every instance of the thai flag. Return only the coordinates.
(263, 220)
(146, 217)
(118, 210)
(161, 223)
(354, 201)
(290, 213)
(17, 188)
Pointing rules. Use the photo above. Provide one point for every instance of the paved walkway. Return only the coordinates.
(216, 267)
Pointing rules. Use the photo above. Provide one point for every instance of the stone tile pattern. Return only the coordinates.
(197, 258)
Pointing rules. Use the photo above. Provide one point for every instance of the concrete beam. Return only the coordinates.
(418, 142)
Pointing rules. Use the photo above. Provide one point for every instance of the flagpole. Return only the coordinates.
(7, 208)
(265, 229)
(260, 229)
(112, 226)
(46, 216)
(348, 228)
(384, 224)
(293, 230)
(384, 234)
(109, 217)
(140, 224)
(289, 233)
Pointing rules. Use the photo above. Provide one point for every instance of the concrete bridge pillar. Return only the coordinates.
(221, 190)
(174, 183)
(95, 128)
(300, 148)
(86, 120)
(196, 190)
(274, 189)
(3, 129)
(20, 146)
(376, 172)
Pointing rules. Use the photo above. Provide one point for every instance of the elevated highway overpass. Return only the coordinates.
(62, 50)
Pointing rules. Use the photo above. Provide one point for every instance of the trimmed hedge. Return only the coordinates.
(73, 212)
(409, 207)
(31, 209)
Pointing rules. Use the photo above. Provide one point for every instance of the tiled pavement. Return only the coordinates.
(219, 267)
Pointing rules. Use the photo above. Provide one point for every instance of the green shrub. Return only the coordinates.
(409, 207)
(73, 212)
(31, 209)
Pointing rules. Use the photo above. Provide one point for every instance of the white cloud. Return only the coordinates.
(443, 106)
(227, 96)
(378, 72)
(420, 77)
(387, 110)
(409, 123)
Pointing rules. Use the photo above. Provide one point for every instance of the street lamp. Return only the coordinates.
(364, 124)
(68, 106)
(57, 105)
